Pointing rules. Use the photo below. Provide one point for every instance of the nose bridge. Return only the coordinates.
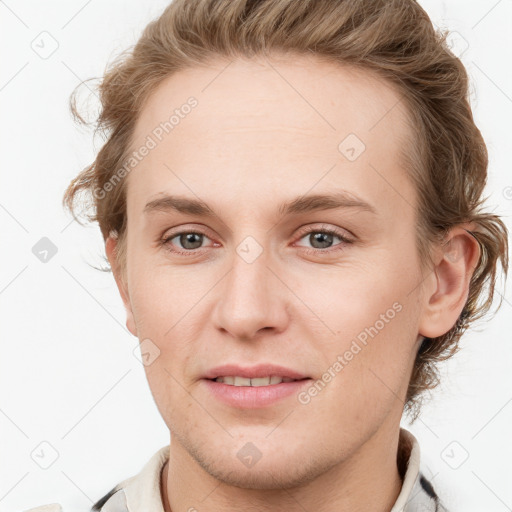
(250, 298)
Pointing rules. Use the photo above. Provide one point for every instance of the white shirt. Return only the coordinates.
(141, 492)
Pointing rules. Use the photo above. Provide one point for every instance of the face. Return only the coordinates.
(301, 254)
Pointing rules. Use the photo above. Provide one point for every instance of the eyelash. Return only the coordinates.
(165, 242)
(328, 231)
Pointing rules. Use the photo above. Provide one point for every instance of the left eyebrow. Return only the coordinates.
(340, 199)
(300, 205)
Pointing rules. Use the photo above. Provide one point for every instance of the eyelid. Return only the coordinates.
(165, 239)
(342, 233)
(345, 241)
(179, 230)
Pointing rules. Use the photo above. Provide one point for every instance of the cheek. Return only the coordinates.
(168, 396)
(161, 296)
(370, 342)
(348, 297)
(366, 379)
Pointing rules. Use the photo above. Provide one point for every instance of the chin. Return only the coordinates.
(266, 475)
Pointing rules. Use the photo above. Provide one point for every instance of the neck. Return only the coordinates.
(369, 480)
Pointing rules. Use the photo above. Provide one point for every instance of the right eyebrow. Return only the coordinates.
(179, 204)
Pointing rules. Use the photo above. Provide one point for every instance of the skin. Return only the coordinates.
(266, 132)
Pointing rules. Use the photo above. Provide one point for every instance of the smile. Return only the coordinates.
(255, 382)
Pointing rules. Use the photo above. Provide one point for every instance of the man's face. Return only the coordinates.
(329, 293)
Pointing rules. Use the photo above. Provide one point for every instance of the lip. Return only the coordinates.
(248, 397)
(252, 372)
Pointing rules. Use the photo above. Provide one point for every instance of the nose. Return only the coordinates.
(251, 299)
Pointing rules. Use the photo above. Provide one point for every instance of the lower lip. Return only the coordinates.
(249, 397)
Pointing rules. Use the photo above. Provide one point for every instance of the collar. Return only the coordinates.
(417, 493)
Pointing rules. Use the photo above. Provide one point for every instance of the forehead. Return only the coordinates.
(265, 126)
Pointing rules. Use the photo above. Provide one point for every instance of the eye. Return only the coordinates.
(189, 241)
(324, 238)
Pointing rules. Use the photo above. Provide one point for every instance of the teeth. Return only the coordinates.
(260, 381)
(257, 381)
(242, 381)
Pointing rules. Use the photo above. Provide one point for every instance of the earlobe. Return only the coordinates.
(110, 249)
(457, 260)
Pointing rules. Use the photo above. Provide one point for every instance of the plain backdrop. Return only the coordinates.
(73, 394)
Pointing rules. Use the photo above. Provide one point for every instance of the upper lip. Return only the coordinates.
(251, 372)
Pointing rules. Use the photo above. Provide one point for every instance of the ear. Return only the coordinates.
(110, 249)
(447, 288)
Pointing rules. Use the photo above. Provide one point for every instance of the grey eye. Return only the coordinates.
(321, 240)
(190, 240)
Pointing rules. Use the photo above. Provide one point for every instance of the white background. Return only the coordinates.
(68, 373)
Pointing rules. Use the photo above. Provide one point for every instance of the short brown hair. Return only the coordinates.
(392, 38)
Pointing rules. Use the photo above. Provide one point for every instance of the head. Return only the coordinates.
(326, 215)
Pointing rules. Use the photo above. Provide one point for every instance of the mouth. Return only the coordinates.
(263, 374)
(271, 380)
(253, 387)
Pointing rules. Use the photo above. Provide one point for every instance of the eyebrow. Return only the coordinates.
(300, 205)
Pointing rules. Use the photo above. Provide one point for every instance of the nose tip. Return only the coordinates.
(250, 300)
